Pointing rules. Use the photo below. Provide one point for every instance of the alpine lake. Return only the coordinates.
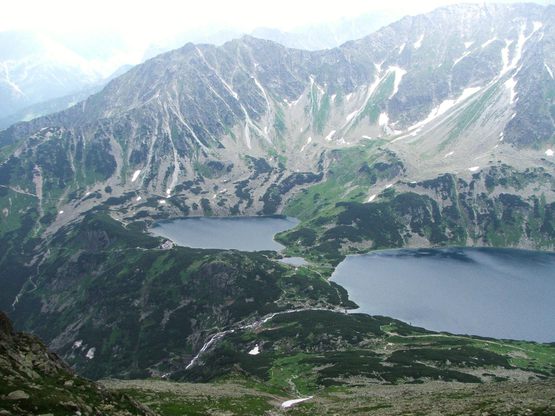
(500, 293)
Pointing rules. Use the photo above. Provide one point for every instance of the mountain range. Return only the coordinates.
(41, 74)
(436, 130)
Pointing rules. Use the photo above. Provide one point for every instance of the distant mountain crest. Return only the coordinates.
(471, 81)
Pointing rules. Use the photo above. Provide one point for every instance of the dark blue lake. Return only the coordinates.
(239, 233)
(489, 292)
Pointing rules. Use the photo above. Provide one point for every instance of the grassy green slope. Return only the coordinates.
(497, 207)
(147, 310)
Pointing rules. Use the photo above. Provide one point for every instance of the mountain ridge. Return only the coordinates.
(187, 111)
(404, 138)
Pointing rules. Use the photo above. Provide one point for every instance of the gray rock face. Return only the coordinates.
(17, 395)
(188, 123)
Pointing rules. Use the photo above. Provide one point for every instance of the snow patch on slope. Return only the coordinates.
(464, 55)
(486, 43)
(383, 119)
(505, 56)
(510, 85)
(399, 74)
(135, 175)
(548, 70)
(447, 105)
(438, 111)
(290, 403)
(307, 143)
(330, 135)
(517, 55)
(350, 116)
(90, 353)
(418, 43)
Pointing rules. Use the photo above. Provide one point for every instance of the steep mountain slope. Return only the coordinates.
(465, 82)
(436, 130)
(35, 381)
(115, 301)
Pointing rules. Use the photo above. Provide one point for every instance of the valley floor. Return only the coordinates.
(357, 398)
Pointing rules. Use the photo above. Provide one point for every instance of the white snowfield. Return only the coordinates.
(290, 403)
(90, 353)
(383, 119)
(308, 141)
(510, 84)
(474, 168)
(351, 115)
(399, 74)
(255, 350)
(486, 43)
(460, 58)
(549, 152)
(330, 136)
(438, 111)
(418, 43)
(135, 175)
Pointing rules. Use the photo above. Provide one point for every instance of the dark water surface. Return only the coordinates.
(489, 292)
(239, 233)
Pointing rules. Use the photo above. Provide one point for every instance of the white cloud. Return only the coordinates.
(123, 29)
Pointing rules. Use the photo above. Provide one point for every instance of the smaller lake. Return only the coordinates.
(238, 233)
(489, 292)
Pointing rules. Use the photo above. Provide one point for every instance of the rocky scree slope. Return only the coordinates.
(214, 128)
(36, 381)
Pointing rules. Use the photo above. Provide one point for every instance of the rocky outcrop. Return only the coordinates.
(36, 381)
(459, 80)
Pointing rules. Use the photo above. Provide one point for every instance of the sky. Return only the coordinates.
(123, 30)
(140, 20)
